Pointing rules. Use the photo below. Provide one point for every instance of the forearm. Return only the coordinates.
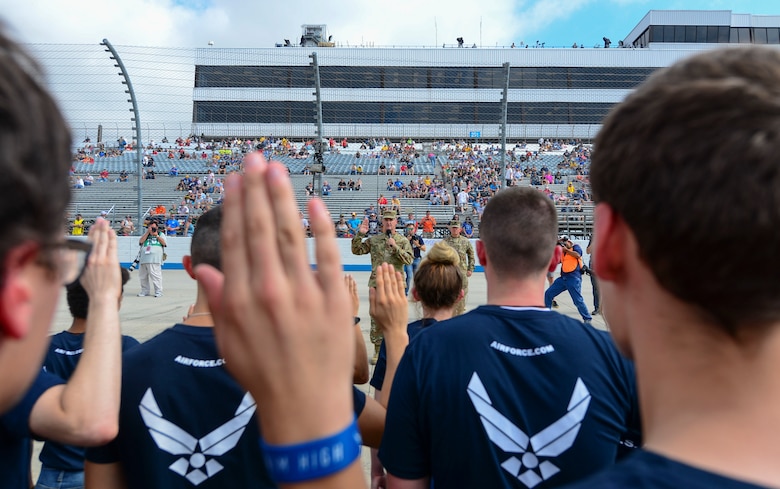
(90, 399)
(85, 411)
(359, 247)
(396, 342)
(99, 476)
(361, 358)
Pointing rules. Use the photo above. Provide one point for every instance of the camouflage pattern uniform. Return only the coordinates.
(381, 253)
(467, 262)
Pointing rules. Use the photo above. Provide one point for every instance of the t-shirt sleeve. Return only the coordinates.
(358, 401)
(378, 379)
(129, 342)
(106, 454)
(17, 420)
(404, 450)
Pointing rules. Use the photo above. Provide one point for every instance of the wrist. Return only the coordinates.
(313, 459)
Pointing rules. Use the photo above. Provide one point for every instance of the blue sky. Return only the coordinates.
(594, 20)
(245, 23)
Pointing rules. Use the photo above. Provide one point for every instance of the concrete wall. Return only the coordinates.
(180, 246)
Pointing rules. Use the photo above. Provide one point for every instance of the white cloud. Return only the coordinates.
(237, 23)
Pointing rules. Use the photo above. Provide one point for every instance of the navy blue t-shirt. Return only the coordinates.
(647, 470)
(508, 398)
(380, 369)
(64, 353)
(15, 436)
(183, 420)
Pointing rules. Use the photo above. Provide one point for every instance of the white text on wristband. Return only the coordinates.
(313, 459)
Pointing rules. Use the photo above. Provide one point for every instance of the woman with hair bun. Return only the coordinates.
(438, 286)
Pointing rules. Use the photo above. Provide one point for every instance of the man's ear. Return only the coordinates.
(481, 254)
(16, 292)
(609, 243)
(186, 261)
(556, 258)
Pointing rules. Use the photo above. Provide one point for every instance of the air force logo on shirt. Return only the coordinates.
(548, 443)
(195, 464)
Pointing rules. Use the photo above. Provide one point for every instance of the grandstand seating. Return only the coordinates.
(122, 197)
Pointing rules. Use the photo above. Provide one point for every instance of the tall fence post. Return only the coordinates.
(504, 110)
(136, 118)
(318, 166)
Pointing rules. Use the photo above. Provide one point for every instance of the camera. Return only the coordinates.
(133, 266)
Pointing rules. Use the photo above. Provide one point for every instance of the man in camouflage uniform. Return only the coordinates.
(466, 253)
(385, 247)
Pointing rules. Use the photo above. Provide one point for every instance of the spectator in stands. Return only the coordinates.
(174, 171)
(428, 223)
(188, 228)
(396, 204)
(359, 185)
(127, 227)
(77, 228)
(79, 182)
(304, 224)
(410, 220)
(342, 228)
(123, 176)
(468, 228)
(160, 210)
(326, 188)
(342, 185)
(354, 223)
(88, 180)
(103, 175)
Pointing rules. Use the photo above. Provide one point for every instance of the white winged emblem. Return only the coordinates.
(196, 465)
(550, 442)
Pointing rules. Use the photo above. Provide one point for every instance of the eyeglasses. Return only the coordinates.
(70, 258)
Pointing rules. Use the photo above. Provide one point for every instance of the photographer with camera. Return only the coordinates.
(151, 258)
(570, 278)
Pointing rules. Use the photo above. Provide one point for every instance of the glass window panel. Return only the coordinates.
(701, 33)
(679, 33)
(723, 33)
(656, 33)
(744, 35)
(773, 35)
(690, 33)
(759, 35)
(668, 33)
(712, 34)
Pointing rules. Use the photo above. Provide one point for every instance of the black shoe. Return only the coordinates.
(594, 312)
(555, 304)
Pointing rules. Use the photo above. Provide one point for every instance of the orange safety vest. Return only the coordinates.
(569, 263)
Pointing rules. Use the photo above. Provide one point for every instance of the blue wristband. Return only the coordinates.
(313, 459)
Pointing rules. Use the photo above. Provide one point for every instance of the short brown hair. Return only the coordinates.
(689, 162)
(519, 228)
(34, 153)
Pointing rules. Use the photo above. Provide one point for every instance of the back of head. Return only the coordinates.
(439, 280)
(78, 299)
(689, 162)
(205, 244)
(519, 229)
(34, 153)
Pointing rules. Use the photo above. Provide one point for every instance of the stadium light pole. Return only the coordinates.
(136, 118)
